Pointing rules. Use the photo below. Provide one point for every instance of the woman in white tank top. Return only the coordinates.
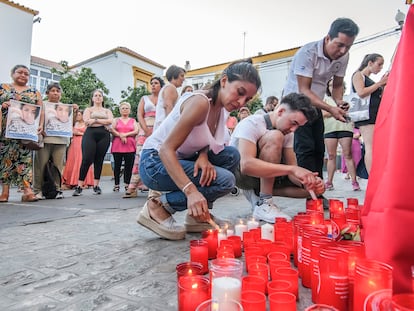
(186, 156)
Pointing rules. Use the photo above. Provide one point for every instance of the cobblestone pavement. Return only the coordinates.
(88, 253)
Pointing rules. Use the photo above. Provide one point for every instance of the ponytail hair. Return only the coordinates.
(241, 70)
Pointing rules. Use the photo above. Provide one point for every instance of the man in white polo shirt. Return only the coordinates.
(267, 161)
(312, 67)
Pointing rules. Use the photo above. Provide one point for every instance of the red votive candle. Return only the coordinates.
(237, 247)
(192, 291)
(279, 286)
(276, 264)
(265, 245)
(188, 269)
(253, 282)
(249, 252)
(199, 253)
(211, 236)
(252, 300)
(282, 301)
(334, 281)
(291, 275)
(370, 276)
(276, 256)
(259, 269)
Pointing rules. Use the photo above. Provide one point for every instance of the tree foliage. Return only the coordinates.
(133, 96)
(78, 86)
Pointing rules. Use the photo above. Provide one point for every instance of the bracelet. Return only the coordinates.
(186, 186)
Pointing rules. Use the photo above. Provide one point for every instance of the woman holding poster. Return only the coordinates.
(15, 158)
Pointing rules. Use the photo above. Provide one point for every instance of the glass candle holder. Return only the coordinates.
(211, 236)
(370, 276)
(252, 300)
(237, 246)
(192, 291)
(253, 282)
(225, 276)
(199, 253)
(212, 304)
(282, 301)
(188, 269)
(291, 275)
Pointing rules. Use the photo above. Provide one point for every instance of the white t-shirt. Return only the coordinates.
(309, 61)
(252, 129)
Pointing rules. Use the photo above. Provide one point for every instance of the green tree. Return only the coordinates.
(78, 86)
(133, 96)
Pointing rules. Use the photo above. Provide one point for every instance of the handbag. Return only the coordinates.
(358, 107)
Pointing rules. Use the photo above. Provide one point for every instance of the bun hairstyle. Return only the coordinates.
(161, 81)
(241, 70)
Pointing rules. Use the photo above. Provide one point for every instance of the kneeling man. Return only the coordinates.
(267, 161)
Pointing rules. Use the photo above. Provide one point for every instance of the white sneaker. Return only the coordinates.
(59, 195)
(251, 197)
(268, 211)
(40, 196)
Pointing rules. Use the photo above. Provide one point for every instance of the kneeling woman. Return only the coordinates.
(187, 157)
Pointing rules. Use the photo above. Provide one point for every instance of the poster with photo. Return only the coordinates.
(23, 120)
(58, 119)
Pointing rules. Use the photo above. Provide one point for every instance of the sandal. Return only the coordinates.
(29, 198)
(132, 194)
(116, 188)
(167, 229)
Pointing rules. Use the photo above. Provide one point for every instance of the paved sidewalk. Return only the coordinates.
(88, 253)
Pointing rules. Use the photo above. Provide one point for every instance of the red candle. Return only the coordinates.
(253, 301)
(189, 269)
(253, 282)
(249, 252)
(279, 286)
(333, 287)
(199, 253)
(211, 236)
(192, 291)
(276, 264)
(370, 276)
(265, 245)
(236, 240)
(259, 269)
(291, 275)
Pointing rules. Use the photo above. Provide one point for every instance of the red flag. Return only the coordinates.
(388, 214)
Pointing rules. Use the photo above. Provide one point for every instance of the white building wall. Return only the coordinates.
(116, 71)
(16, 31)
(273, 75)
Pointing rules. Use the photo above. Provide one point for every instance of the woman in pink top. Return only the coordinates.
(124, 130)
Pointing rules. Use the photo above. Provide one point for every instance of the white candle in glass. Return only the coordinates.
(240, 228)
(252, 224)
(221, 235)
(268, 232)
(225, 288)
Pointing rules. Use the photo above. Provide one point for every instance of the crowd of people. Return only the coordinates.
(190, 148)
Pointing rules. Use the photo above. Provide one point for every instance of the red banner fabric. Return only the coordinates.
(388, 213)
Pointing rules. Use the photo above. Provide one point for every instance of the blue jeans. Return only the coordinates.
(155, 176)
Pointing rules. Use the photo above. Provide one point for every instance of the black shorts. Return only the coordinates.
(339, 134)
